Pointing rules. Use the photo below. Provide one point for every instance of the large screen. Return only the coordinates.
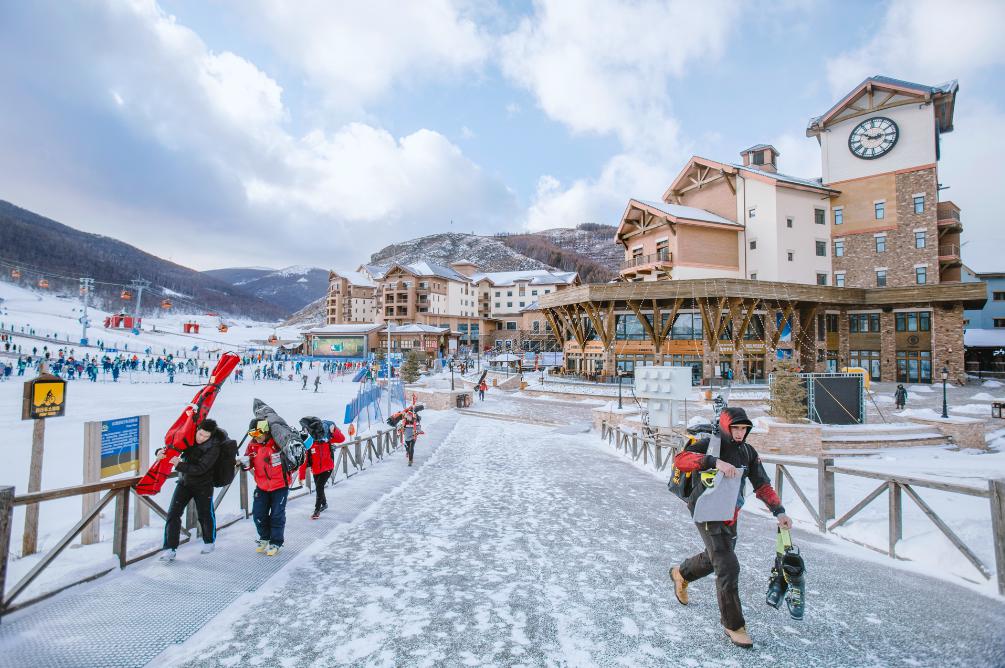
(338, 346)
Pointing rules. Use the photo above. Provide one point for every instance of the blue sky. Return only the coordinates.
(312, 132)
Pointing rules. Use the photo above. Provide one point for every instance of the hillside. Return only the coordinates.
(31, 241)
(489, 253)
(588, 250)
(290, 289)
(591, 240)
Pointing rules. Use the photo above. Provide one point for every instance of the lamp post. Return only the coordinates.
(451, 375)
(620, 376)
(945, 406)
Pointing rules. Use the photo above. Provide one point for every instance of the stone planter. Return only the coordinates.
(965, 432)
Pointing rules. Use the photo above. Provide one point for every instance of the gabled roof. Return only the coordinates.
(376, 271)
(688, 213)
(945, 93)
(760, 147)
(357, 328)
(356, 278)
(796, 180)
(423, 268)
(531, 276)
(415, 328)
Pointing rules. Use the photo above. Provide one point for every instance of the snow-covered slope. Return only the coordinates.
(488, 253)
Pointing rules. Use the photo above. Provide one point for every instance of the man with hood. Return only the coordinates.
(736, 457)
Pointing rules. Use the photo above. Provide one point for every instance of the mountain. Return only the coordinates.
(290, 289)
(43, 248)
(594, 241)
(588, 249)
(489, 253)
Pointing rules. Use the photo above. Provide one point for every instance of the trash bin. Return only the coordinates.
(463, 400)
(996, 409)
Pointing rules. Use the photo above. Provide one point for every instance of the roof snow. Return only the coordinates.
(532, 277)
(688, 212)
(811, 183)
(419, 329)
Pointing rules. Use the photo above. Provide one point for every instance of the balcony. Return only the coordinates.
(948, 215)
(643, 262)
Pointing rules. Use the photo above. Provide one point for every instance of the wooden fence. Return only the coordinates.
(660, 455)
(351, 458)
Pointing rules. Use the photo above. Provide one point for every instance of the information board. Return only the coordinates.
(120, 446)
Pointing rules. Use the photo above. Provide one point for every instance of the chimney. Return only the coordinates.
(761, 156)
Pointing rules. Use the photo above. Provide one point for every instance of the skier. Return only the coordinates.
(317, 382)
(481, 390)
(304, 386)
(321, 460)
(195, 466)
(900, 396)
(736, 457)
(272, 487)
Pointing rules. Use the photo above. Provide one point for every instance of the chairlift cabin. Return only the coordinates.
(223, 328)
(126, 295)
(166, 304)
(43, 283)
(15, 274)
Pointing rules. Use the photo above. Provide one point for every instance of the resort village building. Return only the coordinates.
(739, 265)
(351, 299)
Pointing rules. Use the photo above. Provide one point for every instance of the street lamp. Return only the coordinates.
(621, 374)
(451, 375)
(945, 407)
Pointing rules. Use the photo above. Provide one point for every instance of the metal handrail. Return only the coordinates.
(949, 250)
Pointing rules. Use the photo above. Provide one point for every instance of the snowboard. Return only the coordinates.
(396, 417)
(481, 379)
(286, 437)
(182, 433)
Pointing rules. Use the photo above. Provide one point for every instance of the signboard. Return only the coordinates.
(338, 346)
(44, 397)
(120, 446)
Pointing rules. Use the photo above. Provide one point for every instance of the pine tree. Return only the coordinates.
(410, 367)
(788, 395)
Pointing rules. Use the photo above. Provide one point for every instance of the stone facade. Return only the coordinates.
(947, 343)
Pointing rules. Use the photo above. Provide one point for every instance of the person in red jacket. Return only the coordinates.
(736, 457)
(321, 460)
(272, 487)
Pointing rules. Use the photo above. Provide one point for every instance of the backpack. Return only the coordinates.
(226, 464)
(682, 482)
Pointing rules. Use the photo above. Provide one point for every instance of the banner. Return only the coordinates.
(120, 446)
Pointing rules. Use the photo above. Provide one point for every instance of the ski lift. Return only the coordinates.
(15, 274)
(223, 328)
(166, 304)
(43, 283)
(273, 339)
(126, 295)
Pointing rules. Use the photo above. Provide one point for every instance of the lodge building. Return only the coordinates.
(740, 265)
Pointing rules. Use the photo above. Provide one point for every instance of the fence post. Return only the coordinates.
(6, 522)
(359, 452)
(635, 446)
(896, 516)
(120, 536)
(825, 491)
(91, 533)
(244, 491)
(997, 488)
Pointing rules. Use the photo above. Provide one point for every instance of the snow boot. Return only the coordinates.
(316, 515)
(740, 637)
(794, 571)
(261, 545)
(207, 548)
(324, 507)
(679, 585)
(272, 551)
(170, 555)
(776, 584)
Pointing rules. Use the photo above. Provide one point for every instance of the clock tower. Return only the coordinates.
(880, 149)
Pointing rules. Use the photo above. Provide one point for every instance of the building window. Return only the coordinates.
(880, 243)
(509, 293)
(919, 204)
(751, 213)
(498, 294)
(753, 245)
(510, 324)
(788, 222)
(839, 248)
(998, 296)
(881, 278)
(759, 157)
(838, 216)
(913, 321)
(521, 304)
(839, 279)
(999, 323)
(818, 217)
(919, 239)
(880, 210)
(533, 293)
(821, 249)
(509, 304)
(753, 276)
(821, 279)
(791, 256)
(535, 326)
(497, 304)
(921, 275)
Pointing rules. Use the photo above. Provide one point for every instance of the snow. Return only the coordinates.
(921, 388)
(992, 384)
(294, 270)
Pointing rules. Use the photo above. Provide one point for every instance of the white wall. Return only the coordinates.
(759, 196)
(802, 237)
(915, 145)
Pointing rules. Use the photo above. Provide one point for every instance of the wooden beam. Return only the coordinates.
(786, 314)
(611, 322)
(643, 319)
(665, 331)
(738, 335)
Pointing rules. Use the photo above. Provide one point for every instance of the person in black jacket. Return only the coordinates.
(736, 457)
(195, 467)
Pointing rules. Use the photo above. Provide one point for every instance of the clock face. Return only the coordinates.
(873, 137)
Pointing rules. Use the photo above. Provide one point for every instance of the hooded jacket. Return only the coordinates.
(266, 466)
(321, 457)
(694, 458)
(198, 462)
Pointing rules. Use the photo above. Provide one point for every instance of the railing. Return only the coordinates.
(357, 454)
(949, 250)
(638, 260)
(823, 511)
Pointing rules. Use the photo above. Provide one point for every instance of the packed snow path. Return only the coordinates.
(521, 545)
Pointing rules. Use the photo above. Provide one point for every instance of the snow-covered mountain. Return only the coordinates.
(489, 253)
(290, 288)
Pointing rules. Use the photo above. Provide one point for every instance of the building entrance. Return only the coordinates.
(914, 366)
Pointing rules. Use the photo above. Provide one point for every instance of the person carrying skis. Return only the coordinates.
(481, 390)
(321, 460)
(900, 396)
(409, 429)
(272, 487)
(195, 466)
(736, 457)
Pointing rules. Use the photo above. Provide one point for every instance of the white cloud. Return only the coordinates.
(354, 52)
(799, 155)
(607, 67)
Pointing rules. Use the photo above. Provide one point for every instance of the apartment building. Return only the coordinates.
(351, 298)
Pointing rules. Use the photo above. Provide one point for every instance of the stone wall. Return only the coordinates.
(947, 343)
(778, 438)
(964, 432)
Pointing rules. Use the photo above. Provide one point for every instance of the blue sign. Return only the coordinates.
(120, 446)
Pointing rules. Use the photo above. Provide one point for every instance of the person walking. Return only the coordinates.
(195, 467)
(272, 487)
(900, 397)
(321, 461)
(304, 386)
(410, 430)
(736, 458)
(317, 383)
(482, 386)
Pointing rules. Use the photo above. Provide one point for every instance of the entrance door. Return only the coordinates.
(914, 366)
(754, 369)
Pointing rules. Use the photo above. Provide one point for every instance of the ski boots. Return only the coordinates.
(272, 551)
(794, 571)
(261, 546)
(207, 548)
(776, 585)
(316, 515)
(170, 555)
(679, 585)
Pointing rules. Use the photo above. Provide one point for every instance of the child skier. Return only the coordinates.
(736, 457)
(272, 487)
(900, 396)
(321, 460)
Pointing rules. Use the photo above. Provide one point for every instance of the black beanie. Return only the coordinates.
(208, 425)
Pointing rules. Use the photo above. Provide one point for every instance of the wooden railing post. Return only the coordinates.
(896, 516)
(825, 492)
(120, 535)
(6, 524)
(997, 489)
(243, 484)
(359, 452)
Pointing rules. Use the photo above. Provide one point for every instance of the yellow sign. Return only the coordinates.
(44, 397)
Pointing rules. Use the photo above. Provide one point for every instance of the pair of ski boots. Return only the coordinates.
(317, 513)
(788, 578)
(268, 548)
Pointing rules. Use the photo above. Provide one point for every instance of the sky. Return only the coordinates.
(269, 133)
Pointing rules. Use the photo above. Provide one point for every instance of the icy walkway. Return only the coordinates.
(128, 619)
(519, 545)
